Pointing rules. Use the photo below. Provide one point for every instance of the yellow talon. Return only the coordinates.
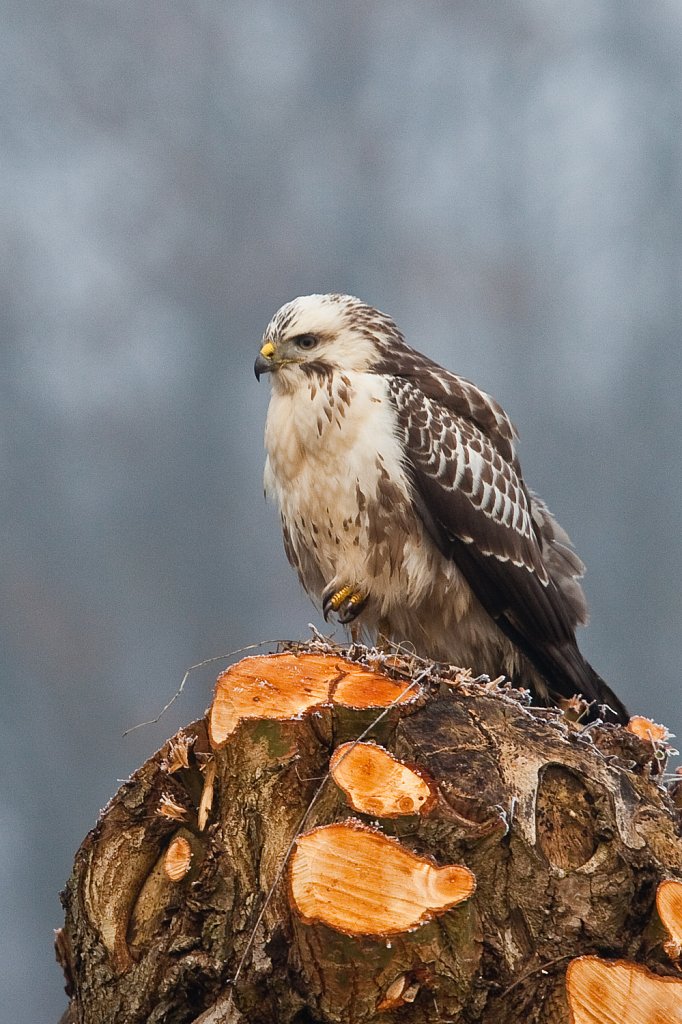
(347, 602)
(339, 597)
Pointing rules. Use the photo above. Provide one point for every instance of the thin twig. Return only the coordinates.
(542, 967)
(192, 668)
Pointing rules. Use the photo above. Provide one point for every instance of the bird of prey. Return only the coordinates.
(403, 506)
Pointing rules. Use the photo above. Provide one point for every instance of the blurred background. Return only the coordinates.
(505, 180)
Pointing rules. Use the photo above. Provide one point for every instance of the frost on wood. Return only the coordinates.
(568, 833)
(647, 730)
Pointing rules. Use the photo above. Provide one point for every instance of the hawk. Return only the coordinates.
(403, 506)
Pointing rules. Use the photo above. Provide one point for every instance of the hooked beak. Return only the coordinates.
(265, 362)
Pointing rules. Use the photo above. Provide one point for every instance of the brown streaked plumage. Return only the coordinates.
(403, 505)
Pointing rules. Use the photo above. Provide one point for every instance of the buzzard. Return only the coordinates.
(403, 506)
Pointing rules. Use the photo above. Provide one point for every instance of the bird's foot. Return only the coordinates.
(345, 601)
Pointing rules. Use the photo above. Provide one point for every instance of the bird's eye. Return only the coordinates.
(306, 341)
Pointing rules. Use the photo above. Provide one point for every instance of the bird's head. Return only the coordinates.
(318, 334)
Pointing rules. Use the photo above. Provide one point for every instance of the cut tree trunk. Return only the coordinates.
(353, 837)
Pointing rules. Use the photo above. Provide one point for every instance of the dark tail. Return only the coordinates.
(571, 674)
(613, 706)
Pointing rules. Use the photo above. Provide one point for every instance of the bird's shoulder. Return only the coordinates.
(459, 445)
(421, 387)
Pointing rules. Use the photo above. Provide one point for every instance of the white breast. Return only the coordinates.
(328, 450)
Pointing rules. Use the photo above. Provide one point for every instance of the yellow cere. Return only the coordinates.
(267, 350)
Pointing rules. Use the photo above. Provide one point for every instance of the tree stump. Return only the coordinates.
(352, 837)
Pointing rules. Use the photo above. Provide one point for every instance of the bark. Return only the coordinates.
(568, 833)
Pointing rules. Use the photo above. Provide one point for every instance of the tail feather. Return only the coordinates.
(566, 673)
(572, 674)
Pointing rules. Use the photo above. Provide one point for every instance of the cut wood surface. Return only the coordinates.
(178, 858)
(401, 991)
(287, 913)
(286, 686)
(647, 730)
(376, 782)
(357, 881)
(669, 906)
(606, 992)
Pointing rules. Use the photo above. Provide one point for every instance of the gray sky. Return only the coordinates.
(504, 180)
